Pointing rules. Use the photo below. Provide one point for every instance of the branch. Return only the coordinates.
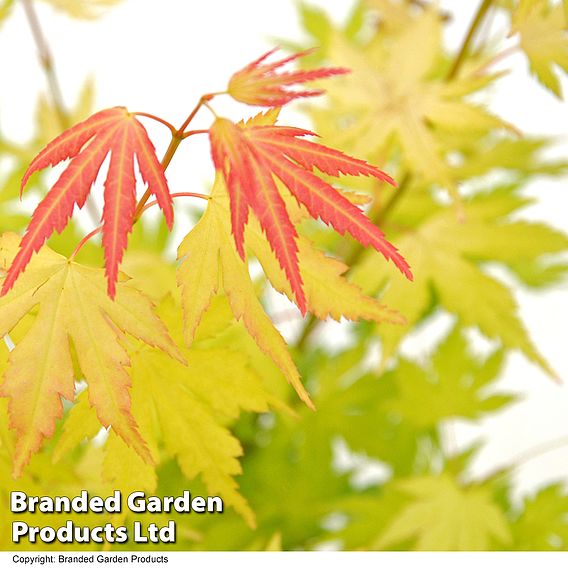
(527, 456)
(474, 26)
(177, 138)
(46, 61)
(48, 66)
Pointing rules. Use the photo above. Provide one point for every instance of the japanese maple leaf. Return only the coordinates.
(542, 28)
(252, 157)
(88, 143)
(74, 317)
(395, 99)
(260, 84)
(444, 514)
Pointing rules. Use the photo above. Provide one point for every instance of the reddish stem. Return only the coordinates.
(178, 135)
(182, 194)
(84, 241)
(177, 138)
(157, 119)
(96, 231)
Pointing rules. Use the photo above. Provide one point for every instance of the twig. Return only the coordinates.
(177, 138)
(474, 26)
(527, 456)
(48, 66)
(170, 126)
(194, 132)
(46, 60)
(99, 229)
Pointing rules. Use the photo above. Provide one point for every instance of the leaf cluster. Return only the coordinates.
(180, 379)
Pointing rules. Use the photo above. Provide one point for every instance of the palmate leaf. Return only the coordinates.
(454, 385)
(72, 307)
(188, 421)
(446, 515)
(448, 256)
(543, 522)
(264, 84)
(88, 143)
(212, 263)
(252, 156)
(396, 101)
(543, 31)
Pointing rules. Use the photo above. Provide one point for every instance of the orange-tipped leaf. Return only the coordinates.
(120, 204)
(261, 83)
(323, 201)
(251, 156)
(88, 143)
(69, 143)
(283, 140)
(270, 210)
(53, 213)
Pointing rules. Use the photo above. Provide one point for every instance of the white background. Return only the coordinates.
(159, 57)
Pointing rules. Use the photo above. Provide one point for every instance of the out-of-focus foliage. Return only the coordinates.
(543, 37)
(5, 8)
(374, 467)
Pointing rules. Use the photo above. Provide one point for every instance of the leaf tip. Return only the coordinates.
(111, 288)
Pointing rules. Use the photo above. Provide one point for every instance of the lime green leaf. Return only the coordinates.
(543, 523)
(394, 96)
(537, 274)
(444, 515)
(520, 156)
(454, 385)
(316, 22)
(544, 38)
(446, 257)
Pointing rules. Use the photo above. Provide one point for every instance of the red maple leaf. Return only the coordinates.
(88, 143)
(251, 157)
(261, 84)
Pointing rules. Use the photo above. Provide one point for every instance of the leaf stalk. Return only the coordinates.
(177, 138)
(469, 37)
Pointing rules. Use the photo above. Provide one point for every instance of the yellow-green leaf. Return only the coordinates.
(444, 515)
(211, 262)
(544, 38)
(73, 307)
(446, 257)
